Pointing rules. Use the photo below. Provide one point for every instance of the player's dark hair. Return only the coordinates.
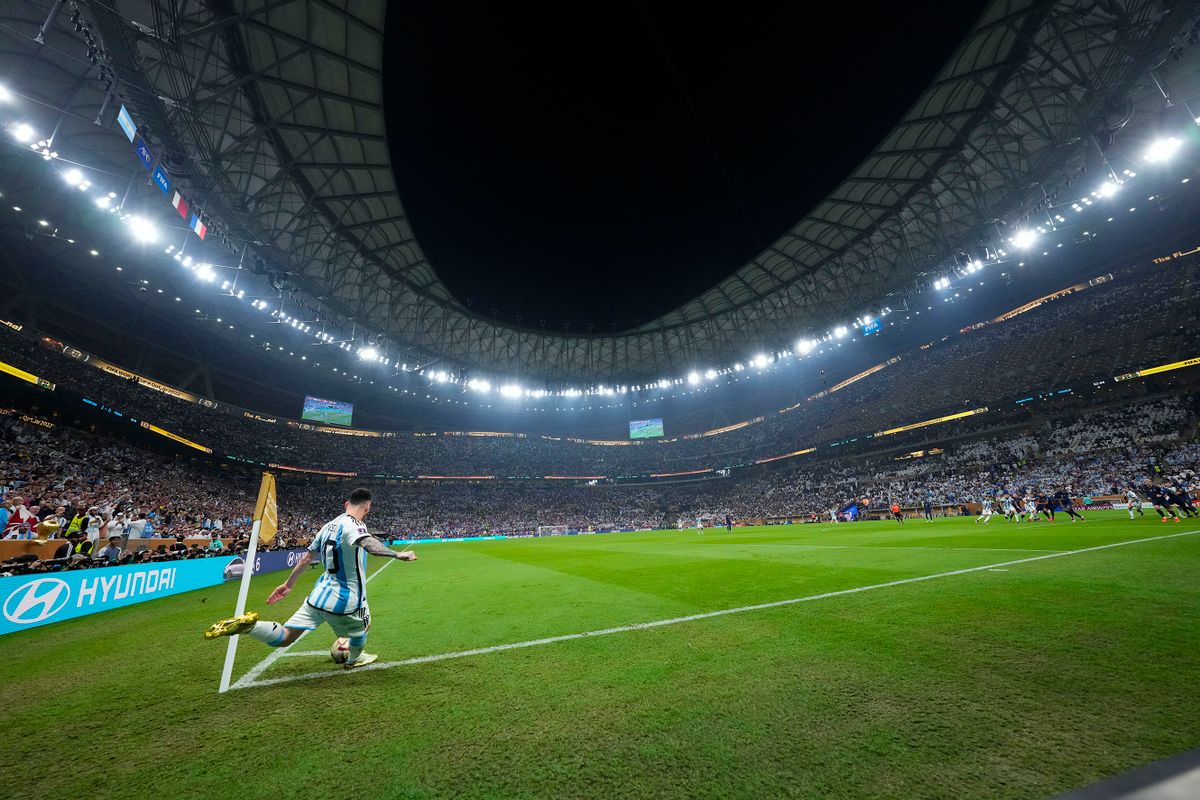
(360, 496)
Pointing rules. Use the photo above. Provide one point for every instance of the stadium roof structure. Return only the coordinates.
(270, 113)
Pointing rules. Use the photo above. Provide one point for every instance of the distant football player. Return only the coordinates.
(1134, 501)
(1007, 507)
(1179, 497)
(896, 513)
(1031, 509)
(985, 515)
(340, 596)
(1046, 505)
(1062, 499)
(1158, 499)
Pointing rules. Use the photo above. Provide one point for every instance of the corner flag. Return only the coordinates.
(266, 513)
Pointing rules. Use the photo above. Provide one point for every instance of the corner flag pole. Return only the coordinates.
(240, 608)
(266, 525)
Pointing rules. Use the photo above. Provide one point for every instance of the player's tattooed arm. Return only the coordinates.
(378, 548)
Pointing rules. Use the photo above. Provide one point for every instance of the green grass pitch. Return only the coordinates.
(1020, 680)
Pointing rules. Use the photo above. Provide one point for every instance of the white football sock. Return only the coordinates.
(269, 633)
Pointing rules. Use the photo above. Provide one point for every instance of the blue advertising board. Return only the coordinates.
(871, 327)
(29, 601)
(275, 560)
(159, 176)
(143, 152)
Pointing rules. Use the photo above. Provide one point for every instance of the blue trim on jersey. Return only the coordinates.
(343, 590)
(334, 592)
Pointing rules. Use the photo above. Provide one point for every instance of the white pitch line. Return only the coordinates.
(275, 655)
(247, 682)
(885, 547)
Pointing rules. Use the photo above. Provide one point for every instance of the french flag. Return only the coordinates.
(198, 226)
(180, 204)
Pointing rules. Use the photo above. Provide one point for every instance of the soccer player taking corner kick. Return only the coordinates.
(340, 595)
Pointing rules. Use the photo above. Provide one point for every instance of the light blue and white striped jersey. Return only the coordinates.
(342, 587)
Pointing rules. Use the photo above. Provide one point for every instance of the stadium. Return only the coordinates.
(761, 406)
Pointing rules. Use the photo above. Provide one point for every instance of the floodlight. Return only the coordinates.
(840, 331)
(693, 378)
(1162, 150)
(142, 230)
(73, 177)
(1025, 238)
(805, 346)
(1108, 189)
(23, 133)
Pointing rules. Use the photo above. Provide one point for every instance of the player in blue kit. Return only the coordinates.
(340, 595)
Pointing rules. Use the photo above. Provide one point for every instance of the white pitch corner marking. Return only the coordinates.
(278, 653)
(250, 679)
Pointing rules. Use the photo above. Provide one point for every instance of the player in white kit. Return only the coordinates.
(1006, 505)
(1031, 512)
(340, 595)
(986, 516)
(1134, 501)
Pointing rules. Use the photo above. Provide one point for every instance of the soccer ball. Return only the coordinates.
(339, 651)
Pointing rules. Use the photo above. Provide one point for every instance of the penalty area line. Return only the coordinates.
(251, 678)
(278, 653)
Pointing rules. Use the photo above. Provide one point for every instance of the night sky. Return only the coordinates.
(605, 164)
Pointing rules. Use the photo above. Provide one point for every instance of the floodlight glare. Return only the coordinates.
(142, 230)
(1162, 150)
(804, 346)
(693, 378)
(368, 354)
(23, 133)
(1108, 189)
(710, 374)
(840, 331)
(73, 177)
(759, 361)
(5, 94)
(1025, 238)
(103, 201)
(510, 390)
(205, 273)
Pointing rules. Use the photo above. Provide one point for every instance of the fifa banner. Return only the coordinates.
(29, 601)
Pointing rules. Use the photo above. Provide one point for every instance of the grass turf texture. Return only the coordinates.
(1010, 684)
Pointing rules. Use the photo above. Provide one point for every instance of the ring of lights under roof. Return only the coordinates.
(272, 112)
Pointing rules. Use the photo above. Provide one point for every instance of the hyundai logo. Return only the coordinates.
(36, 601)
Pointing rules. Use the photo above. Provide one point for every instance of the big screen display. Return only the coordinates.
(329, 412)
(645, 428)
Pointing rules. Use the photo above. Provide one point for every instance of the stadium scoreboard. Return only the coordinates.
(645, 428)
(330, 412)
